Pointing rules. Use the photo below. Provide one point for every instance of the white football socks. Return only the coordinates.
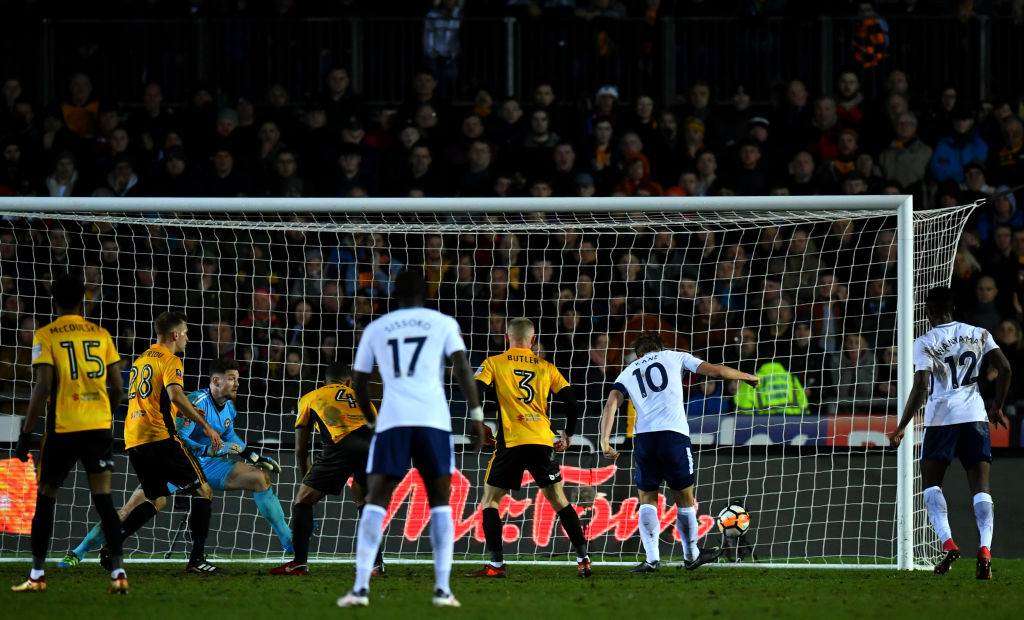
(686, 521)
(983, 515)
(650, 527)
(442, 542)
(371, 526)
(935, 502)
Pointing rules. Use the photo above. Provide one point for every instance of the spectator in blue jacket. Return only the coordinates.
(1000, 210)
(708, 398)
(961, 146)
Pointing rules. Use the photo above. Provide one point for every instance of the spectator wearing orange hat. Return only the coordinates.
(637, 180)
(694, 132)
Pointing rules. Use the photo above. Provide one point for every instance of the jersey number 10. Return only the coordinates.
(648, 375)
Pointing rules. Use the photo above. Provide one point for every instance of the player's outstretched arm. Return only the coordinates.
(361, 387)
(185, 408)
(611, 408)
(36, 407)
(918, 397)
(464, 375)
(998, 362)
(729, 374)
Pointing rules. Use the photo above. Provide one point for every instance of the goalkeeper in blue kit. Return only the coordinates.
(223, 472)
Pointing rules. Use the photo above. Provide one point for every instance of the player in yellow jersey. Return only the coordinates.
(157, 454)
(521, 384)
(78, 384)
(346, 437)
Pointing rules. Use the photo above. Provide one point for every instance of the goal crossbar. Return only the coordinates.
(447, 205)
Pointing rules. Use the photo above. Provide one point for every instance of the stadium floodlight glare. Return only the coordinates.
(820, 487)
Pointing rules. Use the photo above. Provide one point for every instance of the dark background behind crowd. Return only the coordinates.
(817, 299)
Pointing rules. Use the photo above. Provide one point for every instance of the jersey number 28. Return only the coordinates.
(145, 385)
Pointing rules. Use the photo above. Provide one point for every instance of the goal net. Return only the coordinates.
(809, 293)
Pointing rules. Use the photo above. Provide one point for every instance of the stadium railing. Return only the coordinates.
(979, 55)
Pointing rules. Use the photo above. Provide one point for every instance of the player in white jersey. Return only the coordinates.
(947, 362)
(411, 347)
(661, 449)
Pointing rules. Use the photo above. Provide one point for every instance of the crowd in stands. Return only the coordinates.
(812, 308)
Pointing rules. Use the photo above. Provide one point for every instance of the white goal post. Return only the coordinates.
(821, 488)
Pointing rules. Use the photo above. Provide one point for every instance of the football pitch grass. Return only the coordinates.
(548, 592)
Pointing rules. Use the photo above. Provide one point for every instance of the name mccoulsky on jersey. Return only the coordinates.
(72, 327)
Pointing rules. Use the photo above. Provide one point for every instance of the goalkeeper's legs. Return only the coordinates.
(246, 477)
(139, 516)
(96, 537)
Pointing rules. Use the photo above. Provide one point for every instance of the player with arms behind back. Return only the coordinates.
(333, 409)
(157, 454)
(661, 450)
(410, 346)
(947, 361)
(522, 382)
(78, 383)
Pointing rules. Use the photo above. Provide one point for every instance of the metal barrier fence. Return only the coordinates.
(982, 56)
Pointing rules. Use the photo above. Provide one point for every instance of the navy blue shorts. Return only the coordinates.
(662, 455)
(431, 451)
(970, 442)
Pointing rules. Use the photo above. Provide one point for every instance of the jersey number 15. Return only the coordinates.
(87, 346)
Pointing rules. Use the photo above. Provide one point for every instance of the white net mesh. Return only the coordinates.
(806, 299)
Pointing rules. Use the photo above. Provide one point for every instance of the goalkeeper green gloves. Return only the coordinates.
(263, 462)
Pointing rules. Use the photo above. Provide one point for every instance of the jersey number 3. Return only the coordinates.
(524, 383)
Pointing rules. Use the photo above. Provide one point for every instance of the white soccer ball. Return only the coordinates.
(733, 521)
